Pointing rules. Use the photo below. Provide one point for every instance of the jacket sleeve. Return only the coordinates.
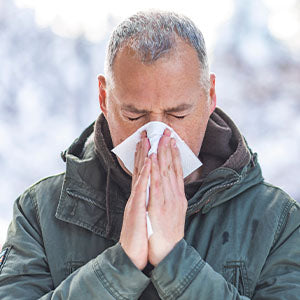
(25, 274)
(183, 274)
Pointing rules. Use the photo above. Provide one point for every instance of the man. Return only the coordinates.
(220, 233)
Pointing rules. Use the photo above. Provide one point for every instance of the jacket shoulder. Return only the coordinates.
(287, 209)
(43, 194)
(49, 185)
(277, 195)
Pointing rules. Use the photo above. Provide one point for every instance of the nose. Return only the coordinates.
(160, 118)
(157, 117)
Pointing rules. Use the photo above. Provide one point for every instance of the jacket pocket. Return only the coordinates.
(235, 272)
(72, 266)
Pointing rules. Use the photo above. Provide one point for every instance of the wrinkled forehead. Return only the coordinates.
(172, 77)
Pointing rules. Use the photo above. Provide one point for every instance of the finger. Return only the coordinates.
(170, 188)
(167, 132)
(139, 163)
(145, 147)
(165, 166)
(177, 167)
(156, 197)
(140, 154)
(164, 154)
(139, 190)
(142, 180)
(143, 134)
(163, 151)
(136, 164)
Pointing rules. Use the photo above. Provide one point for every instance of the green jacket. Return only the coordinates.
(242, 239)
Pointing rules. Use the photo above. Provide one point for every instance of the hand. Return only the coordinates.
(134, 239)
(167, 204)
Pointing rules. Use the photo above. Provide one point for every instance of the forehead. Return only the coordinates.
(171, 78)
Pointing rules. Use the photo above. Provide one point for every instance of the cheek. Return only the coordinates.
(192, 134)
(119, 129)
(194, 141)
(116, 129)
(118, 134)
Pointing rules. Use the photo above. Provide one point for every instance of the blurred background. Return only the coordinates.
(51, 52)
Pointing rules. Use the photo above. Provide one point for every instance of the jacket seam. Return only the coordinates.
(90, 199)
(181, 286)
(210, 192)
(84, 198)
(70, 192)
(100, 275)
(35, 206)
(32, 196)
(282, 220)
(220, 187)
(80, 184)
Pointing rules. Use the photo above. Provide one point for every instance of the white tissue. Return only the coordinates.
(126, 152)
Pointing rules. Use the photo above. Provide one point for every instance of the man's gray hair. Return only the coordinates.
(153, 34)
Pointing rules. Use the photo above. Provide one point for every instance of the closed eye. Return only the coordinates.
(134, 119)
(178, 117)
(137, 118)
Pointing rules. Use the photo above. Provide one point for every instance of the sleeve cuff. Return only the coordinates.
(119, 275)
(177, 270)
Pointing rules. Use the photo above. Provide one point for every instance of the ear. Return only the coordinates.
(102, 94)
(212, 92)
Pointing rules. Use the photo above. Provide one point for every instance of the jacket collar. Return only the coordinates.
(83, 200)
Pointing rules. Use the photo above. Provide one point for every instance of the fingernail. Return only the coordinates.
(167, 132)
(143, 134)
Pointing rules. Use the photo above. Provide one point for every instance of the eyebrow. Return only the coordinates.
(178, 108)
(133, 109)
